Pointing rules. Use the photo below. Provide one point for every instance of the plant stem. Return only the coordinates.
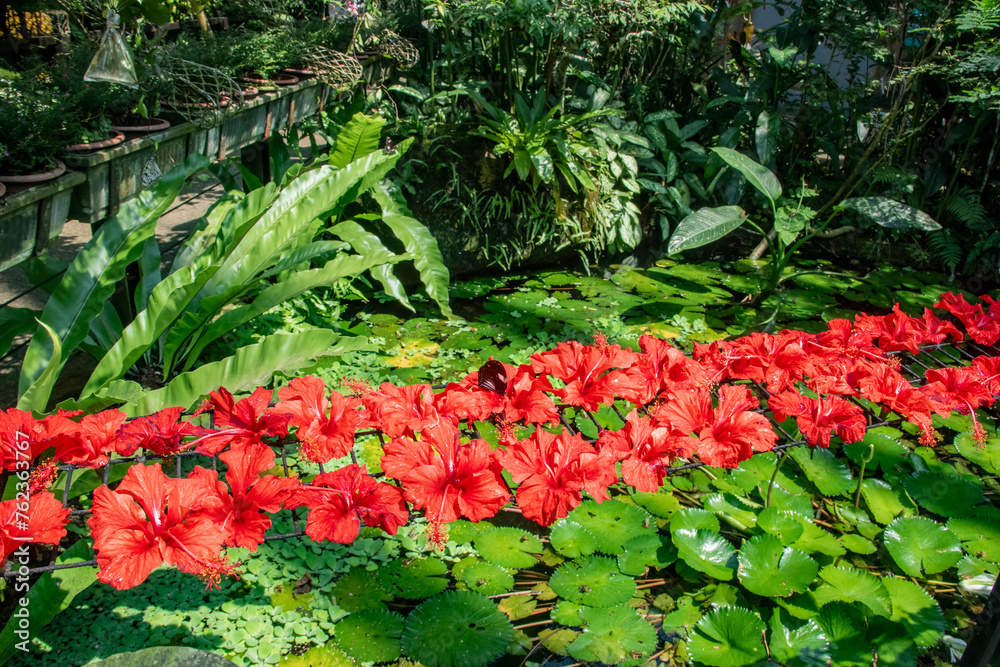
(770, 484)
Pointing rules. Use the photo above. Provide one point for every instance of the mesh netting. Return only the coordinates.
(200, 93)
(333, 67)
(399, 49)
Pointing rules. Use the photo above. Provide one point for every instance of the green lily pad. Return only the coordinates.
(830, 475)
(884, 501)
(782, 524)
(694, 519)
(980, 536)
(852, 585)
(970, 567)
(770, 570)
(655, 551)
(732, 509)
(358, 590)
(814, 539)
(661, 503)
(613, 523)
(570, 539)
(613, 636)
(463, 532)
(857, 544)
(456, 629)
(987, 458)
(728, 637)
(509, 547)
(845, 629)
(916, 610)
(889, 454)
(594, 581)
(919, 546)
(487, 578)
(706, 551)
(566, 613)
(943, 494)
(518, 606)
(371, 636)
(414, 579)
(892, 647)
(798, 643)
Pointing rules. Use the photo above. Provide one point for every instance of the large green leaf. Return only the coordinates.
(593, 581)
(371, 636)
(456, 629)
(419, 243)
(358, 138)
(884, 501)
(844, 626)
(848, 584)
(890, 213)
(509, 547)
(99, 266)
(806, 644)
(706, 552)
(919, 546)
(612, 522)
(49, 595)
(758, 175)
(728, 637)
(37, 396)
(771, 570)
(830, 475)
(613, 636)
(987, 457)
(979, 536)
(944, 494)
(250, 367)
(13, 323)
(916, 610)
(704, 226)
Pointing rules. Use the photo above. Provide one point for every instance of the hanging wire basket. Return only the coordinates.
(334, 68)
(202, 94)
(398, 48)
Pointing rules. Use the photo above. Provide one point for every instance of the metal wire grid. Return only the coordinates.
(924, 359)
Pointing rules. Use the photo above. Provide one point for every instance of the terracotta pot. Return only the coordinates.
(32, 179)
(152, 125)
(286, 80)
(116, 138)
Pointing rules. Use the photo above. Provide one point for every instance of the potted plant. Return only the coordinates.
(32, 127)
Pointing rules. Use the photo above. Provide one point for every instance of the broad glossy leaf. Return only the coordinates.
(371, 636)
(784, 525)
(570, 539)
(885, 502)
(594, 581)
(613, 636)
(890, 213)
(37, 396)
(728, 637)
(705, 226)
(656, 551)
(419, 243)
(889, 453)
(771, 570)
(706, 552)
(944, 494)
(612, 522)
(987, 457)
(98, 268)
(798, 644)
(845, 628)
(251, 366)
(456, 629)
(916, 610)
(980, 536)
(509, 547)
(358, 138)
(758, 175)
(694, 519)
(13, 323)
(919, 546)
(830, 475)
(766, 135)
(487, 578)
(848, 584)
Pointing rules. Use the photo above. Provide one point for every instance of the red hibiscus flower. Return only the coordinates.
(729, 434)
(987, 370)
(645, 451)
(817, 417)
(445, 477)
(552, 469)
(398, 411)
(959, 389)
(886, 386)
(96, 439)
(18, 427)
(584, 369)
(160, 433)
(342, 499)
(660, 370)
(526, 398)
(252, 494)
(241, 423)
(841, 340)
(152, 519)
(40, 520)
(326, 427)
(984, 327)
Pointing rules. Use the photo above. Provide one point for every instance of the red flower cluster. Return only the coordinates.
(713, 407)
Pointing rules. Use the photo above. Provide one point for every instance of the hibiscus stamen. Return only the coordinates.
(43, 476)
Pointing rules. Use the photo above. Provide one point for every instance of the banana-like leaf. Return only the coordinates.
(205, 231)
(890, 213)
(37, 396)
(419, 243)
(251, 366)
(264, 244)
(13, 323)
(343, 266)
(105, 329)
(358, 138)
(149, 272)
(364, 243)
(392, 285)
(99, 266)
(113, 393)
(279, 159)
(758, 175)
(167, 302)
(704, 226)
(306, 253)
